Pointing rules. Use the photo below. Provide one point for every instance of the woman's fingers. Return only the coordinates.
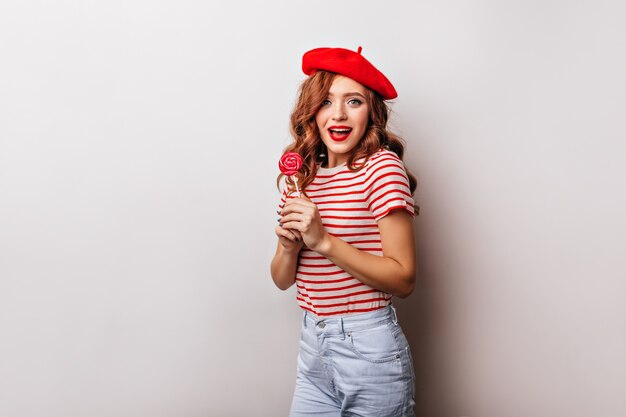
(297, 211)
(304, 214)
(295, 226)
(297, 205)
(293, 217)
(298, 214)
(297, 221)
(293, 235)
(285, 233)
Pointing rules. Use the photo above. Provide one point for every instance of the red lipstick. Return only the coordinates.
(339, 133)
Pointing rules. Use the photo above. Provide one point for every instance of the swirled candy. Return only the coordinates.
(290, 163)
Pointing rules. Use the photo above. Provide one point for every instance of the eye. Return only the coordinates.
(355, 102)
(325, 102)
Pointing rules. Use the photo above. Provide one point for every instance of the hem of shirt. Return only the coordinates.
(396, 207)
(344, 313)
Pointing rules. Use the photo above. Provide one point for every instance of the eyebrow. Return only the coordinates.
(354, 93)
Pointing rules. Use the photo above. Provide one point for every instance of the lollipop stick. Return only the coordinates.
(295, 181)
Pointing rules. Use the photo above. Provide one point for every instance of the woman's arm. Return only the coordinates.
(393, 273)
(285, 261)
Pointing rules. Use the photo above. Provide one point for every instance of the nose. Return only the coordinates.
(339, 113)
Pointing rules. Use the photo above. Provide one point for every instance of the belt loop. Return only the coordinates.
(304, 319)
(394, 315)
(343, 333)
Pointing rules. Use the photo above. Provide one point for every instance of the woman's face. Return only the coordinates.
(342, 119)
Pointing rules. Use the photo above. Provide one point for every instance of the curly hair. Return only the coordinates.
(308, 143)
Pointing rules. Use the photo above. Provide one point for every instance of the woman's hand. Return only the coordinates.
(291, 240)
(285, 262)
(300, 215)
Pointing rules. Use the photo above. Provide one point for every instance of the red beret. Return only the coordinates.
(352, 65)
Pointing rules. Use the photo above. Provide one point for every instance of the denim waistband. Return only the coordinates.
(352, 322)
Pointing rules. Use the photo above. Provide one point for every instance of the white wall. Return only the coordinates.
(138, 149)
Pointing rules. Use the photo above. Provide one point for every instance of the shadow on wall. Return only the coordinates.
(420, 315)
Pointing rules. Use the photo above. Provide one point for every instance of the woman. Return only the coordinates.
(347, 242)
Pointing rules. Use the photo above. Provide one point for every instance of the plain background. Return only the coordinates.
(138, 150)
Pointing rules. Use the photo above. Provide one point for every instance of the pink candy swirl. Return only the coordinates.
(290, 163)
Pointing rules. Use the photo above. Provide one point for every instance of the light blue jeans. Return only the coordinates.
(355, 365)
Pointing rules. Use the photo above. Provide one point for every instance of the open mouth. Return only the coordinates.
(339, 133)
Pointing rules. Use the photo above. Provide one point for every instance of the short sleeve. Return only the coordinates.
(387, 185)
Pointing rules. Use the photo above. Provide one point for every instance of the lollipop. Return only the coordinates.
(289, 165)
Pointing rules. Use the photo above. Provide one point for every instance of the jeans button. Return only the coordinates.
(321, 324)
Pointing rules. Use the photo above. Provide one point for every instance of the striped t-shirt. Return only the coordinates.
(350, 203)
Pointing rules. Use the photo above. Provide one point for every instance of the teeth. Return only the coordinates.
(340, 130)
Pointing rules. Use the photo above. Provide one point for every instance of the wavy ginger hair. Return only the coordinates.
(308, 143)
